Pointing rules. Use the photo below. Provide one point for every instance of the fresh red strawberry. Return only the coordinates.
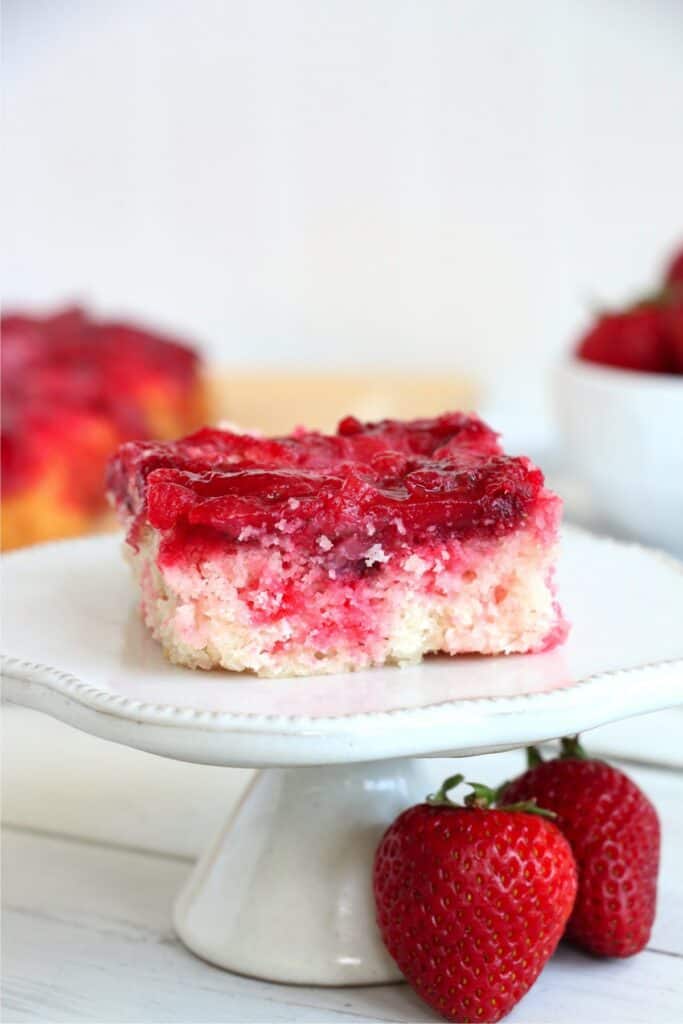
(672, 297)
(614, 833)
(673, 325)
(674, 274)
(633, 340)
(472, 901)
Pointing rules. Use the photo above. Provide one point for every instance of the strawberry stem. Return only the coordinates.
(571, 748)
(441, 796)
(528, 807)
(533, 757)
(482, 798)
(661, 297)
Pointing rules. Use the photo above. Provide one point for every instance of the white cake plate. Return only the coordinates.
(284, 892)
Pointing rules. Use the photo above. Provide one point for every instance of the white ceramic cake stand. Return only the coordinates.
(284, 892)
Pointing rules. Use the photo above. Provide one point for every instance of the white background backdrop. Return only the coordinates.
(437, 183)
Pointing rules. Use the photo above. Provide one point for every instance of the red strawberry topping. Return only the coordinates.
(384, 483)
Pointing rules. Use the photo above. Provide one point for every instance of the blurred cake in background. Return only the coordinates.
(73, 389)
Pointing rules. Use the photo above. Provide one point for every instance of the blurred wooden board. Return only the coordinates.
(275, 402)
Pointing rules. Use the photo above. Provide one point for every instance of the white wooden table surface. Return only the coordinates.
(97, 840)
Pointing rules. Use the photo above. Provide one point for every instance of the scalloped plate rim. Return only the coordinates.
(178, 716)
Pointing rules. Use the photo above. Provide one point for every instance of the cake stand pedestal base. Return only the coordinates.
(285, 891)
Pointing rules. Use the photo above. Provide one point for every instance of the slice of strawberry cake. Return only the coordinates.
(312, 553)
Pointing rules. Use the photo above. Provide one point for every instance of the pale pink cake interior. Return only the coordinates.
(308, 554)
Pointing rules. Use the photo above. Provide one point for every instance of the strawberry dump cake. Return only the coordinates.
(72, 391)
(313, 553)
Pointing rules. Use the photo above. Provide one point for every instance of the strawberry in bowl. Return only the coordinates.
(620, 404)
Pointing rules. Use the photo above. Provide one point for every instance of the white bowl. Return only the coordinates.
(623, 432)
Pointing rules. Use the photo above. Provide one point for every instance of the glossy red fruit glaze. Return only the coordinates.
(471, 903)
(57, 368)
(613, 830)
(632, 340)
(387, 483)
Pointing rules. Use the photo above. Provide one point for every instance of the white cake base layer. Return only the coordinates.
(272, 611)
